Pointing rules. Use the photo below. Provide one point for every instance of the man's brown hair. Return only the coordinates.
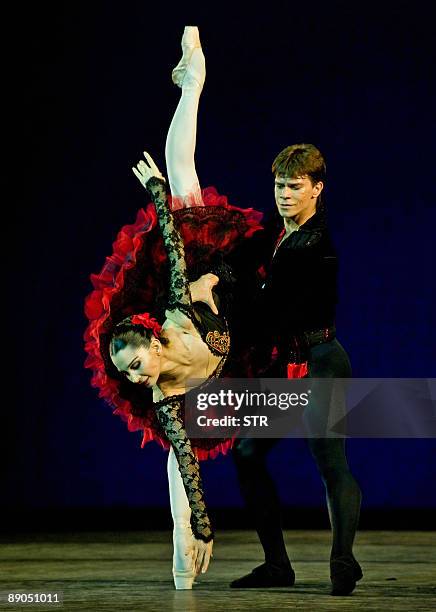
(300, 160)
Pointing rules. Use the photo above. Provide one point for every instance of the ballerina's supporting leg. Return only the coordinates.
(182, 134)
(183, 564)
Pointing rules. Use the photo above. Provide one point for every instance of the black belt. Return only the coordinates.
(294, 348)
(318, 336)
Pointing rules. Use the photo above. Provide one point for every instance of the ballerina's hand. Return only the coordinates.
(201, 553)
(201, 290)
(144, 171)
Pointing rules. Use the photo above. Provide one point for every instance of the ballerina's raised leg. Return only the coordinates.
(189, 75)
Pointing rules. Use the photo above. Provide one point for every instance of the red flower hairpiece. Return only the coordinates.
(148, 322)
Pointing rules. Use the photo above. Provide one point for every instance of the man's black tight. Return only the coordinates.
(260, 494)
(342, 491)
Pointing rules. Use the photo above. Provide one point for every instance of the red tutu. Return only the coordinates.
(135, 279)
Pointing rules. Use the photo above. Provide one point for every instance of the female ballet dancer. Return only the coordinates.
(139, 365)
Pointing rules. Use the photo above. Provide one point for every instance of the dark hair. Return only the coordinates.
(126, 332)
(301, 160)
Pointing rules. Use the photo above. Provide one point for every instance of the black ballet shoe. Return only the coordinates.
(265, 576)
(344, 573)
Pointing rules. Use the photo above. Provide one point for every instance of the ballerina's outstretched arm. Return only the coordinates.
(179, 306)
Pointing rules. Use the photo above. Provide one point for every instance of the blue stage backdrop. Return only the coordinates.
(357, 82)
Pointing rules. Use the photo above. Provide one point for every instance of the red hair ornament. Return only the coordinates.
(145, 320)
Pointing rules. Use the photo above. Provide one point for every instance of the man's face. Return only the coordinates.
(296, 196)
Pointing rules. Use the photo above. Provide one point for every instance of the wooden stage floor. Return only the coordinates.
(132, 571)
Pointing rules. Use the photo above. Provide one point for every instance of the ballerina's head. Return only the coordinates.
(136, 349)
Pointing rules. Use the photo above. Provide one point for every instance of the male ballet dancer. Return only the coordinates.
(296, 323)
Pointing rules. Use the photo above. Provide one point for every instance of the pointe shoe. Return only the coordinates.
(183, 565)
(183, 579)
(190, 72)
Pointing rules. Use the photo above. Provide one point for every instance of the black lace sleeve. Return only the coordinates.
(179, 293)
(168, 412)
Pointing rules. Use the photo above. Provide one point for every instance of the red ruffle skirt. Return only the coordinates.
(134, 279)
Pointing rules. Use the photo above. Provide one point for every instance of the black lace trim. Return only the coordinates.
(194, 216)
(187, 310)
(178, 397)
(154, 182)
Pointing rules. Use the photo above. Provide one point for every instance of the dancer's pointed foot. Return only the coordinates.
(265, 576)
(344, 573)
(183, 579)
(183, 564)
(190, 72)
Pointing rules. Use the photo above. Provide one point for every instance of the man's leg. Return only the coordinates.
(259, 492)
(343, 502)
(342, 491)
